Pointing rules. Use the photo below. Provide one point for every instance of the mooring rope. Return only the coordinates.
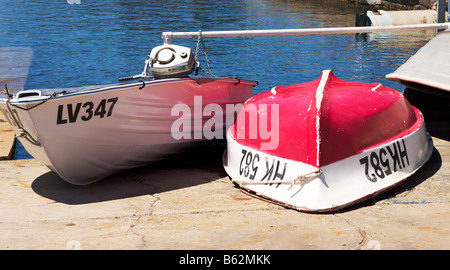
(301, 179)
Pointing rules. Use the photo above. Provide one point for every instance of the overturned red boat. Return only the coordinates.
(327, 144)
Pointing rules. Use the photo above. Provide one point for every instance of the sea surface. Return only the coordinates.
(69, 43)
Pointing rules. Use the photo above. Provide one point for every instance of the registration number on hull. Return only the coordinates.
(384, 162)
(251, 163)
(71, 113)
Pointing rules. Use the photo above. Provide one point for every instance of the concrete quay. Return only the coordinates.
(188, 203)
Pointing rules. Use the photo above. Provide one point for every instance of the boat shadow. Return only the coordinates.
(430, 168)
(195, 167)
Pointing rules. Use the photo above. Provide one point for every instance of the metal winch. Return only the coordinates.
(168, 61)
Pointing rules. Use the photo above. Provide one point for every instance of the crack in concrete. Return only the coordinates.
(362, 232)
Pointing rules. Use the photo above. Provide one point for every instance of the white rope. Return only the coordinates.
(301, 179)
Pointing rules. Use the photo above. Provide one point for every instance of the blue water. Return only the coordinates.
(96, 42)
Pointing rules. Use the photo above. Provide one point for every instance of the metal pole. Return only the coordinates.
(441, 11)
(448, 12)
(168, 36)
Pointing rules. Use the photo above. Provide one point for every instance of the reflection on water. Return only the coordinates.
(96, 42)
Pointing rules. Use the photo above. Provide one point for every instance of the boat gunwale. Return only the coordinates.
(103, 88)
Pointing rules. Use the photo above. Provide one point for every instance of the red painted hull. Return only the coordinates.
(326, 133)
(351, 116)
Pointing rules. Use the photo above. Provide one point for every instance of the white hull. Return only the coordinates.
(86, 136)
(339, 184)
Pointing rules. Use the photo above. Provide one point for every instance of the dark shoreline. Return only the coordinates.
(396, 4)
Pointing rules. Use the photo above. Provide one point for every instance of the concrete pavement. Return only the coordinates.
(189, 203)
